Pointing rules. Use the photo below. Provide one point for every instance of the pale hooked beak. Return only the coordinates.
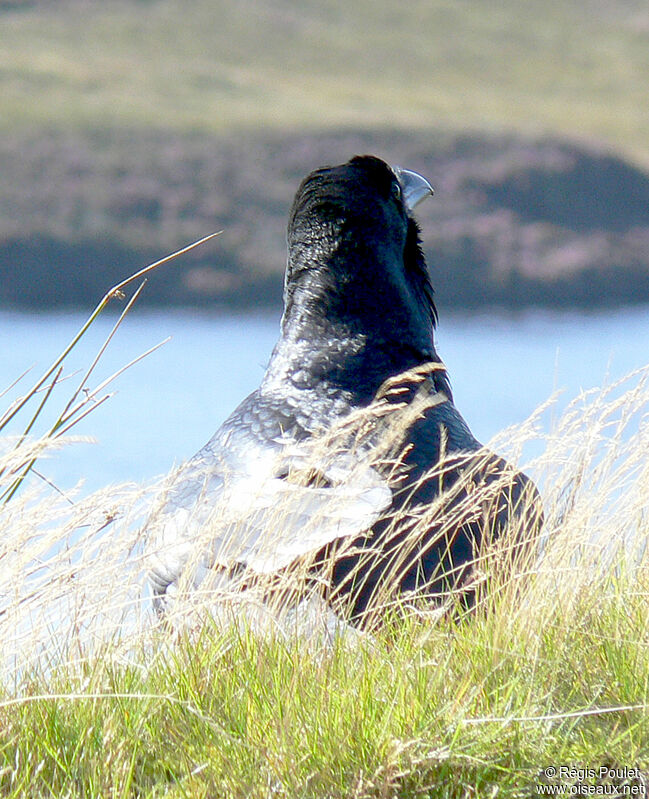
(415, 188)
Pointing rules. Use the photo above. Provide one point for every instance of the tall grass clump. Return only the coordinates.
(267, 691)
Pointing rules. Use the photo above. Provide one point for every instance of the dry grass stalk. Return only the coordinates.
(73, 574)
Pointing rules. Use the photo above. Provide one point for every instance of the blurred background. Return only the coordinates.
(130, 128)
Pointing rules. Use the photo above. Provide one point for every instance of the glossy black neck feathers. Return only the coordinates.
(356, 280)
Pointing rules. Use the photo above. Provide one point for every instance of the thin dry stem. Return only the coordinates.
(73, 577)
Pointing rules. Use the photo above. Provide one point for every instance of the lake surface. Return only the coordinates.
(167, 406)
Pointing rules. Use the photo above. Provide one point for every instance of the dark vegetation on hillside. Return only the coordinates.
(514, 222)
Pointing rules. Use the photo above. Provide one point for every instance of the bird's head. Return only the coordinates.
(354, 250)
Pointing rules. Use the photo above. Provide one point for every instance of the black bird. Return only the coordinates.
(358, 311)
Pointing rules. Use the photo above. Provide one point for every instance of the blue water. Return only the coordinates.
(167, 406)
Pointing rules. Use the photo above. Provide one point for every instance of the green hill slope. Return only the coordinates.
(575, 67)
(129, 128)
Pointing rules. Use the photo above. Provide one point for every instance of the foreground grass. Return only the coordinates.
(471, 708)
(551, 670)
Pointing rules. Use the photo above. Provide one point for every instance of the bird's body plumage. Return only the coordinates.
(358, 311)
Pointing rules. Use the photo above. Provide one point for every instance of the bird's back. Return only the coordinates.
(351, 453)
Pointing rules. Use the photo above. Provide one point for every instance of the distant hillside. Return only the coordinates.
(570, 67)
(130, 127)
(515, 221)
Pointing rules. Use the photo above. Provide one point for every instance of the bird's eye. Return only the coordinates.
(396, 190)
